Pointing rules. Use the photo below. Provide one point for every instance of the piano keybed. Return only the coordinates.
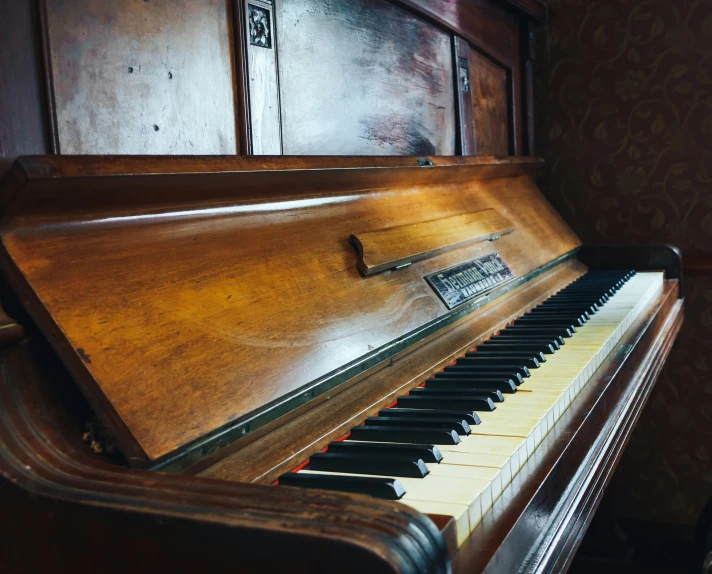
(452, 445)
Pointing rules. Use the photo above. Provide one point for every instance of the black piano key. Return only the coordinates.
(469, 417)
(460, 426)
(427, 452)
(518, 373)
(367, 464)
(547, 322)
(560, 309)
(576, 318)
(590, 308)
(475, 375)
(520, 336)
(446, 403)
(574, 307)
(518, 346)
(573, 298)
(524, 339)
(592, 291)
(493, 394)
(500, 362)
(502, 385)
(405, 434)
(384, 488)
(563, 332)
(514, 355)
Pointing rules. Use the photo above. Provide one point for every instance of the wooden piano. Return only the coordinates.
(321, 364)
(305, 362)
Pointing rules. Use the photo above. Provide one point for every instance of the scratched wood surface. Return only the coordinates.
(180, 318)
(363, 77)
(141, 77)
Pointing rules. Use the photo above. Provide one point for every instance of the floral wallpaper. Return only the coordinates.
(624, 113)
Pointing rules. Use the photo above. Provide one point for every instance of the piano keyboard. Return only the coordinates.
(453, 444)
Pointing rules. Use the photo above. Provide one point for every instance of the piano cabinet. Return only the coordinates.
(345, 77)
(124, 271)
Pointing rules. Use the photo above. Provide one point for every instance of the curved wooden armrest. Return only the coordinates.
(113, 515)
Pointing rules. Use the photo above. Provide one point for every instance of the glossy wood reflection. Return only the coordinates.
(247, 288)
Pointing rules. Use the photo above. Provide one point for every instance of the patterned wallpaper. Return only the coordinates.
(624, 112)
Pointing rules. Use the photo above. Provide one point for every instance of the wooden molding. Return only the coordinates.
(46, 480)
(398, 246)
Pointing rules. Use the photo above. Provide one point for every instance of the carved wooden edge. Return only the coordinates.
(539, 521)
(61, 184)
(383, 249)
(36, 461)
(50, 167)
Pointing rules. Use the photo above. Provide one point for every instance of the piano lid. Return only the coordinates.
(195, 300)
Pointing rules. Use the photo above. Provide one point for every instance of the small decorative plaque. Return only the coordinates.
(469, 280)
(260, 26)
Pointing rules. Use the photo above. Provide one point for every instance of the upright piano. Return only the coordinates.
(299, 362)
(384, 364)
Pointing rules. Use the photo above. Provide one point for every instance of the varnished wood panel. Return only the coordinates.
(142, 77)
(490, 100)
(383, 249)
(486, 24)
(363, 77)
(22, 97)
(246, 301)
(292, 443)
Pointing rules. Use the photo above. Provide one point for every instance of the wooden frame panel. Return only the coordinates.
(112, 91)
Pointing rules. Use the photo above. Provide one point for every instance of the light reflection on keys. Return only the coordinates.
(473, 473)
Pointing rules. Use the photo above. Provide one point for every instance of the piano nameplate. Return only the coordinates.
(466, 281)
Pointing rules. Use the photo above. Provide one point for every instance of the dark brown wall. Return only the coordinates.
(624, 103)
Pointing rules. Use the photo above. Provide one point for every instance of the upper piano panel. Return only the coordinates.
(289, 77)
(197, 300)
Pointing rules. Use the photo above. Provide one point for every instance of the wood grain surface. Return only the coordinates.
(382, 249)
(142, 77)
(264, 107)
(291, 443)
(180, 318)
(490, 97)
(363, 77)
